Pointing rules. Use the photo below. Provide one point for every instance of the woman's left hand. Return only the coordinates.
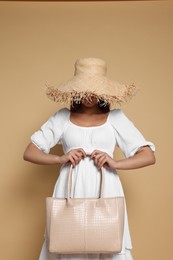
(100, 158)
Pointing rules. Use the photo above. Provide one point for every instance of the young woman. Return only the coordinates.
(89, 132)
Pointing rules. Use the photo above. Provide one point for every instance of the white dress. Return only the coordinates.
(119, 131)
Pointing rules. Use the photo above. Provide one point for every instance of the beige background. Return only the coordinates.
(40, 43)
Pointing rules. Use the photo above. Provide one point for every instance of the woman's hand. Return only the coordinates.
(101, 158)
(74, 156)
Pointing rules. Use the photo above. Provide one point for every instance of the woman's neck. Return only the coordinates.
(89, 110)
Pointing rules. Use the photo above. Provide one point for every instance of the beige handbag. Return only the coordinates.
(84, 225)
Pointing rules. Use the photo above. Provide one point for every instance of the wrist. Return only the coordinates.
(57, 159)
(117, 165)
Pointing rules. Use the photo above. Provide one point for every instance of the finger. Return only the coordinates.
(94, 153)
(72, 161)
(102, 162)
(96, 161)
(99, 157)
(80, 154)
(83, 152)
(76, 158)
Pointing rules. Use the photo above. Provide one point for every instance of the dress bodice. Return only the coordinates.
(89, 138)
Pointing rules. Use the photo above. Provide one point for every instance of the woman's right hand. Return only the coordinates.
(74, 156)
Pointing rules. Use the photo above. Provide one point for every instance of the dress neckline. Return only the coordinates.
(97, 126)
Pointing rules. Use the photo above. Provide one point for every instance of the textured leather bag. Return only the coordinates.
(84, 225)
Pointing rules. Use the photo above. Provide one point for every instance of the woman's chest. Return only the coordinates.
(98, 137)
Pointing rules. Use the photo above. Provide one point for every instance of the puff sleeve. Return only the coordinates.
(128, 137)
(51, 131)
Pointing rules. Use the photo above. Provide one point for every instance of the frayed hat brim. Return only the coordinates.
(67, 97)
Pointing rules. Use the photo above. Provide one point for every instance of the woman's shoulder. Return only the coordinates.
(119, 119)
(116, 114)
(58, 118)
(62, 113)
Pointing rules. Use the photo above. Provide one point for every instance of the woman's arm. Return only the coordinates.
(143, 157)
(35, 155)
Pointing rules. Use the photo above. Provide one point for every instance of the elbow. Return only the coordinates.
(154, 159)
(25, 156)
(147, 155)
(151, 158)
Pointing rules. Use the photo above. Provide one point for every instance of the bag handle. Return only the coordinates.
(100, 201)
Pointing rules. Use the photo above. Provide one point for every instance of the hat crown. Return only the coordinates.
(90, 66)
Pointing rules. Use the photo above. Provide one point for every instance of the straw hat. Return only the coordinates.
(90, 80)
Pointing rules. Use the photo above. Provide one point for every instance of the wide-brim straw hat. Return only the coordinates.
(90, 80)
